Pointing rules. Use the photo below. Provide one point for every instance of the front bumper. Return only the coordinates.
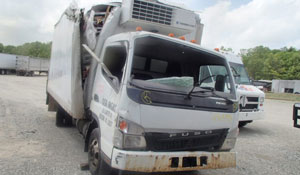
(246, 116)
(166, 161)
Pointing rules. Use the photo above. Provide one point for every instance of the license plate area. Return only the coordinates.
(188, 162)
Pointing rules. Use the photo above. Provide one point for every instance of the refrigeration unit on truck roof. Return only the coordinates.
(158, 17)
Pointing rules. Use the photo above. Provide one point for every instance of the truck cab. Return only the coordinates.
(153, 114)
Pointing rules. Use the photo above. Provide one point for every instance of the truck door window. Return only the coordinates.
(114, 59)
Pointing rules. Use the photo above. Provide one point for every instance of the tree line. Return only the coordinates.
(34, 49)
(263, 63)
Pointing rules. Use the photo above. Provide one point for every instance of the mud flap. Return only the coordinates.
(296, 115)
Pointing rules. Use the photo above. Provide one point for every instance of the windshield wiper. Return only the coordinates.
(210, 89)
(198, 84)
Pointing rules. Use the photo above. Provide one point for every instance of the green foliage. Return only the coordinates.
(1, 47)
(35, 49)
(263, 63)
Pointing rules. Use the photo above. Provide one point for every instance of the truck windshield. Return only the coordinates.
(166, 64)
(240, 70)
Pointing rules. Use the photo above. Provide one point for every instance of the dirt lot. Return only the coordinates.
(30, 143)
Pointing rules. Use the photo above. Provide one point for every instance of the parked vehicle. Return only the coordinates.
(296, 115)
(26, 66)
(7, 63)
(135, 88)
(251, 106)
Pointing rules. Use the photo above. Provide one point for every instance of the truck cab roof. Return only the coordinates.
(139, 34)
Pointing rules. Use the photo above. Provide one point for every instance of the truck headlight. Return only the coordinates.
(235, 106)
(262, 99)
(129, 135)
(132, 141)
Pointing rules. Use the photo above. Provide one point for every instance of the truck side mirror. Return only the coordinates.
(220, 83)
(115, 81)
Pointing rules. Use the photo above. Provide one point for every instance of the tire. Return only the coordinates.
(63, 119)
(96, 164)
(243, 123)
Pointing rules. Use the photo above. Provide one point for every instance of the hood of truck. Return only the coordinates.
(249, 90)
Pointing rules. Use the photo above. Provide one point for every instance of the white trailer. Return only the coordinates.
(7, 63)
(121, 73)
(26, 65)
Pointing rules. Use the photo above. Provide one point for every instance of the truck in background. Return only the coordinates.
(251, 106)
(129, 77)
(26, 66)
(7, 63)
(22, 65)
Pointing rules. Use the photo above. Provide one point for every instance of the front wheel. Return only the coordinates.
(96, 164)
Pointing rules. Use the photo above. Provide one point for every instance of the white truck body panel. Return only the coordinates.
(64, 78)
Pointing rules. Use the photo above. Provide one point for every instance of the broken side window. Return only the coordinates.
(114, 59)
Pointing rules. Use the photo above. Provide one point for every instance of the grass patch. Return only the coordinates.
(283, 96)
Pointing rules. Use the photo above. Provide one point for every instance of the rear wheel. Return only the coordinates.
(96, 163)
(63, 118)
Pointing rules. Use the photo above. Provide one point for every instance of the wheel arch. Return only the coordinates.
(94, 123)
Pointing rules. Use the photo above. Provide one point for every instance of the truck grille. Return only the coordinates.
(249, 107)
(250, 104)
(252, 99)
(191, 141)
(152, 12)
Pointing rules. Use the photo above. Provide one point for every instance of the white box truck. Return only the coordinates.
(135, 88)
(251, 106)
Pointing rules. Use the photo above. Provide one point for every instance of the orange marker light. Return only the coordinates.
(217, 49)
(171, 35)
(139, 28)
(123, 125)
(193, 41)
(182, 38)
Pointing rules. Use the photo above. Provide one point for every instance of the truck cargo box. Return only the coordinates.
(7, 63)
(64, 78)
(26, 65)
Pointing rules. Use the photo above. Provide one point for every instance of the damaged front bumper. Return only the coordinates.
(171, 161)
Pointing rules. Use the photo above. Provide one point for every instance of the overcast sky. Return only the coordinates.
(230, 23)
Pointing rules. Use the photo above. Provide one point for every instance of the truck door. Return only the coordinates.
(107, 89)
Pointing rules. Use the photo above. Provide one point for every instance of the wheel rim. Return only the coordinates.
(94, 154)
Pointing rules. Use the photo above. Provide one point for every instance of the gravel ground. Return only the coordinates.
(30, 143)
